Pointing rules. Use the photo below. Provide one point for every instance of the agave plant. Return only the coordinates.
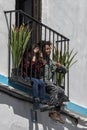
(66, 59)
(19, 39)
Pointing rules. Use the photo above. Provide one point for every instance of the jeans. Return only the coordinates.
(38, 88)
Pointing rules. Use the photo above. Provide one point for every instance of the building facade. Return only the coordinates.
(68, 18)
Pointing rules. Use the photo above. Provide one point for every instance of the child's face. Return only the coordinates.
(47, 50)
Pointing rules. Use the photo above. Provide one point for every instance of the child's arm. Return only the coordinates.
(35, 52)
(61, 68)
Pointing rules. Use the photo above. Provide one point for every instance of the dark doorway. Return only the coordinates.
(25, 5)
(31, 7)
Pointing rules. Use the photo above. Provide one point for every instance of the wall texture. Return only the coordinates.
(68, 17)
(4, 6)
(15, 114)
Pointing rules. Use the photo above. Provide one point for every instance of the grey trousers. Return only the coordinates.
(56, 93)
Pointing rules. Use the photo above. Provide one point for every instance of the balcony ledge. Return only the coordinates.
(72, 110)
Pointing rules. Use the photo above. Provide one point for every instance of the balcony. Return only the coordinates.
(40, 32)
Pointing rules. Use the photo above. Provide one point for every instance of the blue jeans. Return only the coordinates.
(38, 88)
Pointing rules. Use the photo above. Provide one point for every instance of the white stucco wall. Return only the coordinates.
(69, 18)
(4, 6)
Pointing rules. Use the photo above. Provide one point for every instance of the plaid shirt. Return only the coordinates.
(32, 69)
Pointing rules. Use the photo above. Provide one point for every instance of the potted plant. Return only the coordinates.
(66, 59)
(19, 39)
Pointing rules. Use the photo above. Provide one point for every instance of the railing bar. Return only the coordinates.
(21, 67)
(53, 50)
(61, 48)
(49, 34)
(40, 33)
(37, 33)
(23, 19)
(36, 21)
(32, 33)
(53, 45)
(9, 42)
(7, 21)
(45, 34)
(57, 46)
(18, 20)
(68, 72)
(64, 63)
(61, 40)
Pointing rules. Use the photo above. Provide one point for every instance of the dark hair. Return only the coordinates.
(47, 43)
(34, 46)
(42, 44)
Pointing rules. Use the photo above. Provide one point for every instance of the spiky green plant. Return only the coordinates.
(66, 59)
(19, 39)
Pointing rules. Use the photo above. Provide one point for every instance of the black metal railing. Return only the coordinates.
(40, 32)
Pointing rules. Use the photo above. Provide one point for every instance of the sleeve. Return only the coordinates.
(61, 69)
(53, 66)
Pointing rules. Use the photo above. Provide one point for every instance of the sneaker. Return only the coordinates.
(56, 116)
(43, 106)
(64, 103)
(43, 102)
(60, 118)
(37, 100)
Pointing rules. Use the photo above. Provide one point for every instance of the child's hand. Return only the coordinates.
(59, 65)
(36, 50)
(44, 62)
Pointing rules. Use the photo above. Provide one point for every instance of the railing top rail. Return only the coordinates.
(27, 15)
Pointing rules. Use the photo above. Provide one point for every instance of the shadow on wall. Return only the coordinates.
(71, 125)
(22, 109)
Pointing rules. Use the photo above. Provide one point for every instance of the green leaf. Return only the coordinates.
(66, 59)
(19, 40)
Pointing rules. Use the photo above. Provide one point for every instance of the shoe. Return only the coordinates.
(64, 103)
(43, 102)
(60, 118)
(43, 106)
(56, 116)
(36, 100)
